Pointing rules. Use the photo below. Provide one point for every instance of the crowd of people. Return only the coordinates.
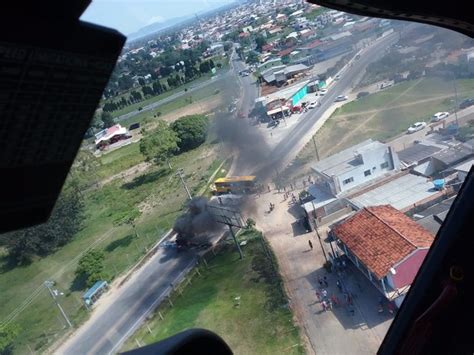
(342, 298)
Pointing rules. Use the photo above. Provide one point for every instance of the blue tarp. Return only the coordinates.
(97, 286)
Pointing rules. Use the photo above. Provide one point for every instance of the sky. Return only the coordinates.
(128, 16)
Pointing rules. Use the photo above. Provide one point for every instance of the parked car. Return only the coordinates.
(385, 84)
(415, 127)
(438, 116)
(337, 77)
(296, 109)
(134, 126)
(323, 92)
(313, 104)
(466, 103)
(341, 98)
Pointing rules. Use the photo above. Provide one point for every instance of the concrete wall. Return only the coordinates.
(372, 161)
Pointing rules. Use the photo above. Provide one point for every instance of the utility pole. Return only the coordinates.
(48, 285)
(321, 244)
(455, 100)
(179, 173)
(315, 148)
(278, 181)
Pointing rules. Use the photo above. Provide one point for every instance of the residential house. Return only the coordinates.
(355, 166)
(417, 154)
(269, 64)
(274, 30)
(216, 49)
(463, 169)
(433, 217)
(281, 18)
(386, 246)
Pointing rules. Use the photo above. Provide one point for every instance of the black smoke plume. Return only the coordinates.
(195, 221)
(242, 140)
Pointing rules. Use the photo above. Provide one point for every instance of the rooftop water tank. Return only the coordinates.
(438, 184)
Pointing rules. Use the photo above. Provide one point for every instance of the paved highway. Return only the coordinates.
(249, 88)
(289, 147)
(112, 323)
(226, 75)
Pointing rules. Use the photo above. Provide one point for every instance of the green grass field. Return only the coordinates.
(159, 196)
(386, 114)
(193, 98)
(261, 324)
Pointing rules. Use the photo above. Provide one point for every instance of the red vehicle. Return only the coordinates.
(296, 109)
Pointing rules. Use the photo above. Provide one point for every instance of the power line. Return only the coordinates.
(30, 299)
(48, 285)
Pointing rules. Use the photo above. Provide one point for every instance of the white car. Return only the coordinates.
(439, 116)
(337, 77)
(313, 104)
(341, 98)
(415, 127)
(323, 92)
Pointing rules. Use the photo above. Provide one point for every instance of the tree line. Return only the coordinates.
(25, 245)
(184, 134)
(186, 73)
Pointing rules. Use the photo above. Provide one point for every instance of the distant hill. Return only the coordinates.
(157, 26)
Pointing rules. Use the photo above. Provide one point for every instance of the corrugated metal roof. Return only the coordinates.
(417, 153)
(401, 193)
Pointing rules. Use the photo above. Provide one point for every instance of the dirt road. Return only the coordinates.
(332, 332)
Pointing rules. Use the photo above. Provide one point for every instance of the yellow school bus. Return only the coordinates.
(235, 185)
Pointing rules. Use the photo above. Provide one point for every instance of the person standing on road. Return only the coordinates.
(325, 306)
(318, 295)
(310, 244)
(325, 279)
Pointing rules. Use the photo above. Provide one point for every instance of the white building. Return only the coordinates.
(355, 166)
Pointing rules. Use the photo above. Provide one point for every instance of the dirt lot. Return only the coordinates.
(198, 107)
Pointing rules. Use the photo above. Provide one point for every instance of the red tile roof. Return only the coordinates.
(286, 51)
(312, 45)
(267, 47)
(381, 236)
